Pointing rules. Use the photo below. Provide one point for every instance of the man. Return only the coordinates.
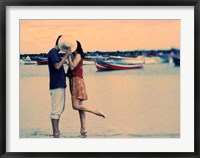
(57, 86)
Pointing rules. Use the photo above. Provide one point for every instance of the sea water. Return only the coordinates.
(142, 103)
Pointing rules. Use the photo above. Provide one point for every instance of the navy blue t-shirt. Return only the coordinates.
(57, 77)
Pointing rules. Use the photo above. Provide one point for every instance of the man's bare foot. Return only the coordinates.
(56, 135)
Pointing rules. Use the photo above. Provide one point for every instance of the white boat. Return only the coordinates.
(164, 58)
(28, 61)
(127, 60)
(95, 58)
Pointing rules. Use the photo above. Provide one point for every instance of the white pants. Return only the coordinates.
(58, 102)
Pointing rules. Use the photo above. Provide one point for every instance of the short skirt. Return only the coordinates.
(78, 89)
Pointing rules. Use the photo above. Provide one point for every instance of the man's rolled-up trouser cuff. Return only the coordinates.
(54, 116)
(58, 102)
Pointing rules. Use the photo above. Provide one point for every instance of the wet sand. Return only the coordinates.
(137, 103)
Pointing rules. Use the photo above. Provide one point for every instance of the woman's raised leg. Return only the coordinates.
(77, 106)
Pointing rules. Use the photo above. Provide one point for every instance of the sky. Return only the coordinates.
(39, 36)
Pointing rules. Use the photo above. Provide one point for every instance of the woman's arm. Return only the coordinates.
(74, 63)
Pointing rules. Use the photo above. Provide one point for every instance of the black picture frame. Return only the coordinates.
(5, 3)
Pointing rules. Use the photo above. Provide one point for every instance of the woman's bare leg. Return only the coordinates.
(82, 121)
(83, 130)
(77, 106)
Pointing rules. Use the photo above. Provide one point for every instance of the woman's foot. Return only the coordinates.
(83, 133)
(101, 114)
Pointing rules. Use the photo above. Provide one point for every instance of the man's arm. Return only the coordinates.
(58, 65)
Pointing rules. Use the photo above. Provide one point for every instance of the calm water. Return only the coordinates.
(141, 103)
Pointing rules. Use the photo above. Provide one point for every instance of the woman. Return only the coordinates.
(77, 87)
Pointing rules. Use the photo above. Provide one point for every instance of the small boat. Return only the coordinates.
(127, 60)
(164, 58)
(116, 66)
(101, 66)
(176, 59)
(95, 58)
(42, 61)
(28, 61)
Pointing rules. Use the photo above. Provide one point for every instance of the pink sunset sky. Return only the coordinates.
(39, 36)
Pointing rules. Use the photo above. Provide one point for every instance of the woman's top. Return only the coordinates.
(78, 71)
(77, 85)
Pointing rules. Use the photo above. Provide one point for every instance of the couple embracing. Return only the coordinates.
(57, 84)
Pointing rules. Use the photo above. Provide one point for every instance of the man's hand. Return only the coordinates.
(58, 65)
(68, 53)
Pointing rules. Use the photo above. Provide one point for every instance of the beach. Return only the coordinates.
(143, 103)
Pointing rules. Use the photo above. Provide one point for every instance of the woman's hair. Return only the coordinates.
(80, 50)
(58, 39)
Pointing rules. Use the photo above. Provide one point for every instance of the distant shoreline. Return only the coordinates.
(130, 53)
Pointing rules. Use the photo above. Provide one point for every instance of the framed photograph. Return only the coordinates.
(99, 78)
